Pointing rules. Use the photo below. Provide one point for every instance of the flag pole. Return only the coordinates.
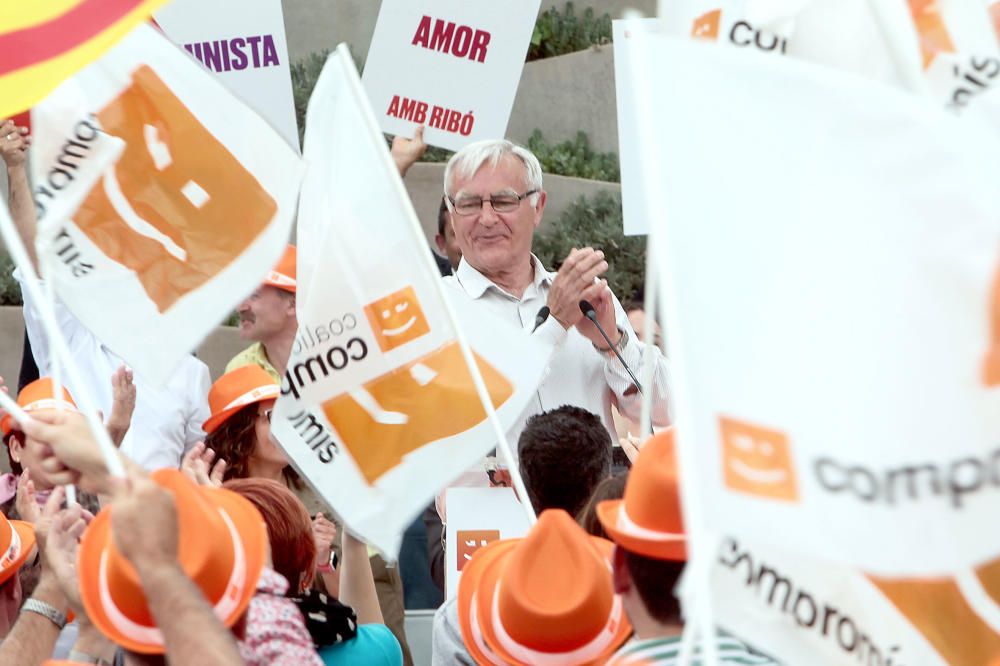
(42, 247)
(648, 334)
(698, 539)
(20, 255)
(418, 236)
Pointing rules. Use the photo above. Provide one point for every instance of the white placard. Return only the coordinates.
(243, 43)
(476, 518)
(451, 65)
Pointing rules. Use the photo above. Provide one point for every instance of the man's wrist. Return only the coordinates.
(617, 343)
(156, 571)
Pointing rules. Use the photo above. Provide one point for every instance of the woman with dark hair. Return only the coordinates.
(610, 488)
(239, 429)
(348, 631)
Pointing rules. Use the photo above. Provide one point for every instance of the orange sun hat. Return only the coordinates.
(17, 540)
(545, 599)
(282, 276)
(39, 394)
(235, 390)
(221, 546)
(648, 521)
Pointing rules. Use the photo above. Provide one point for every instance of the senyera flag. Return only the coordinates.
(162, 199)
(841, 397)
(43, 43)
(378, 409)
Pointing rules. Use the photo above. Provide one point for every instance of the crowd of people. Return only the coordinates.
(205, 552)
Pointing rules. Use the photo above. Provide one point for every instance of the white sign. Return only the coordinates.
(243, 43)
(451, 65)
(162, 199)
(839, 394)
(378, 410)
(478, 517)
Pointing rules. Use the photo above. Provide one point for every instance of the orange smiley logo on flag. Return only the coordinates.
(178, 207)
(397, 319)
(757, 460)
(991, 364)
(959, 616)
(469, 541)
(403, 410)
(706, 26)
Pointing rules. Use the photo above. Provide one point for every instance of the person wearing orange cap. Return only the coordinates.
(649, 556)
(544, 599)
(239, 428)
(267, 319)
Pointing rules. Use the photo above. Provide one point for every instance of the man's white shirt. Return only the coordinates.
(577, 374)
(167, 421)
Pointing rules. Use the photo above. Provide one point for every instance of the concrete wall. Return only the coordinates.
(567, 94)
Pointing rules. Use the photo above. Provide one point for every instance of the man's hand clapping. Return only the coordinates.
(14, 143)
(578, 280)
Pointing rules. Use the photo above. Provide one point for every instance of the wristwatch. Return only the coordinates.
(331, 565)
(45, 610)
(620, 345)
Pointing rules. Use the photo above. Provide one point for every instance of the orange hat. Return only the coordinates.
(17, 540)
(235, 390)
(545, 599)
(39, 394)
(648, 520)
(221, 546)
(283, 275)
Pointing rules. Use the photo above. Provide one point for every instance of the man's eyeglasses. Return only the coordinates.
(266, 414)
(505, 202)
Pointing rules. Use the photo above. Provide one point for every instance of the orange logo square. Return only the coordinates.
(706, 26)
(422, 402)
(397, 319)
(469, 541)
(757, 461)
(178, 207)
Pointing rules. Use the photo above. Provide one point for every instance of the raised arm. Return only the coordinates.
(14, 142)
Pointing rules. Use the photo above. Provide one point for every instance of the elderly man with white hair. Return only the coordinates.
(495, 201)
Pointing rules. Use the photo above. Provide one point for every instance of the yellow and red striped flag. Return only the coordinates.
(45, 42)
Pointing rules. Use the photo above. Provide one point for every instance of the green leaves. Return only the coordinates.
(557, 33)
(597, 223)
(574, 158)
(10, 291)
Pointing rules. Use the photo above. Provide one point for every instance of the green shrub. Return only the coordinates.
(10, 291)
(597, 223)
(557, 33)
(574, 158)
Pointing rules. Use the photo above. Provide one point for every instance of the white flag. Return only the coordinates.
(162, 199)
(835, 247)
(378, 410)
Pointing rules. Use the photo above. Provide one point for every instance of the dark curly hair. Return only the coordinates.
(234, 442)
(564, 454)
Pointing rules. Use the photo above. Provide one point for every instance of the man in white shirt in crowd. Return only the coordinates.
(167, 420)
(495, 199)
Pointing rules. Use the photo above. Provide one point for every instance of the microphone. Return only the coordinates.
(543, 314)
(590, 313)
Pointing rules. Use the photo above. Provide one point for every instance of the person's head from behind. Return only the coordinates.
(239, 429)
(650, 543)
(270, 310)
(445, 239)
(564, 453)
(495, 198)
(289, 529)
(24, 453)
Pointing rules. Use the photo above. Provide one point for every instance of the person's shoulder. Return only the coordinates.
(247, 356)
(373, 644)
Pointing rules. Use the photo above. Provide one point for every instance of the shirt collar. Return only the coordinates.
(476, 284)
